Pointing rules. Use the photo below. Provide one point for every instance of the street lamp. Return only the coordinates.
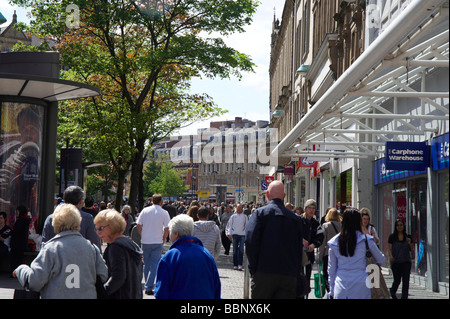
(193, 188)
(193, 181)
(214, 183)
(240, 169)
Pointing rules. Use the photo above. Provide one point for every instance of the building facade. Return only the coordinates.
(10, 36)
(363, 75)
(220, 162)
(229, 169)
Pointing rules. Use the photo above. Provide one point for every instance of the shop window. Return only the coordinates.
(443, 225)
(418, 223)
(387, 217)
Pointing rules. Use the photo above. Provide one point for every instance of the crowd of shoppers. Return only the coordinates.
(280, 241)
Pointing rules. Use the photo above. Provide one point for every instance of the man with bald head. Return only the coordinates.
(274, 241)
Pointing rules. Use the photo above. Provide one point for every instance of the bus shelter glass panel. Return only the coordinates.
(21, 137)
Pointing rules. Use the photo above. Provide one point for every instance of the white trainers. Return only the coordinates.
(239, 267)
(235, 267)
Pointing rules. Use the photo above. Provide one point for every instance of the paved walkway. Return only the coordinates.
(233, 283)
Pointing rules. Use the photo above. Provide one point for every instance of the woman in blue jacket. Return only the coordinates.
(187, 270)
(347, 259)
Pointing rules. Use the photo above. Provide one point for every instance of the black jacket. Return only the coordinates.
(19, 234)
(124, 260)
(313, 234)
(274, 240)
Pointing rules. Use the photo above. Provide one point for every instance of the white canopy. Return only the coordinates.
(415, 42)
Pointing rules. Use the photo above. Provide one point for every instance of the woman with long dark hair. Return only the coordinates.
(347, 259)
(400, 252)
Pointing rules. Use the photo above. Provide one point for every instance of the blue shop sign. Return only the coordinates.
(410, 156)
(383, 175)
(440, 152)
(439, 158)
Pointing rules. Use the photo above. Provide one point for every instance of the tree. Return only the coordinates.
(168, 182)
(150, 172)
(142, 54)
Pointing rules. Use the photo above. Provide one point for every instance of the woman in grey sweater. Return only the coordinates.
(208, 232)
(68, 264)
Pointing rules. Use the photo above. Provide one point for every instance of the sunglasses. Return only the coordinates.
(102, 228)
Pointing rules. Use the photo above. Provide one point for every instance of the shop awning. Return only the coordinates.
(47, 89)
(415, 42)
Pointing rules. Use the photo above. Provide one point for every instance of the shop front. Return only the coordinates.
(440, 152)
(420, 199)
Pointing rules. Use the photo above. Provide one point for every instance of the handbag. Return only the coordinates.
(305, 259)
(26, 293)
(319, 282)
(382, 291)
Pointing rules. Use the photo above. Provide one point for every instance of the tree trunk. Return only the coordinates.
(120, 186)
(136, 170)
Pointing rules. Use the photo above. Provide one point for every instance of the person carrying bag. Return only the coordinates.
(379, 289)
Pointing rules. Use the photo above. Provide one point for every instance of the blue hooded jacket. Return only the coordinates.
(187, 271)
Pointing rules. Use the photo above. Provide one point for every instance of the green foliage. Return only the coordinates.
(167, 182)
(142, 55)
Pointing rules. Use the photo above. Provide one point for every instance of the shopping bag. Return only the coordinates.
(319, 282)
(26, 293)
(380, 292)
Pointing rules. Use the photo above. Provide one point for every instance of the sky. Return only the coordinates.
(247, 98)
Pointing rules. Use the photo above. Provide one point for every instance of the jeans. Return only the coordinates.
(401, 273)
(238, 250)
(152, 255)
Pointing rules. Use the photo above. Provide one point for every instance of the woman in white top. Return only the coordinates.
(368, 228)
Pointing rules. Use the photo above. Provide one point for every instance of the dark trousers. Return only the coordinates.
(325, 271)
(307, 270)
(238, 250)
(401, 272)
(273, 286)
(226, 243)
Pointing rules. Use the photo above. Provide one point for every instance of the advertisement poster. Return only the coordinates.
(20, 156)
(401, 208)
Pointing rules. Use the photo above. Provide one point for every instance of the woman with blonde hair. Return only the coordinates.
(65, 262)
(331, 228)
(123, 257)
(366, 227)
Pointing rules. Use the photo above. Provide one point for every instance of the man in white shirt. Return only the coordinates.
(153, 225)
(235, 231)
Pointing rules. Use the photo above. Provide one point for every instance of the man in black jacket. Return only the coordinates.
(274, 241)
(313, 237)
